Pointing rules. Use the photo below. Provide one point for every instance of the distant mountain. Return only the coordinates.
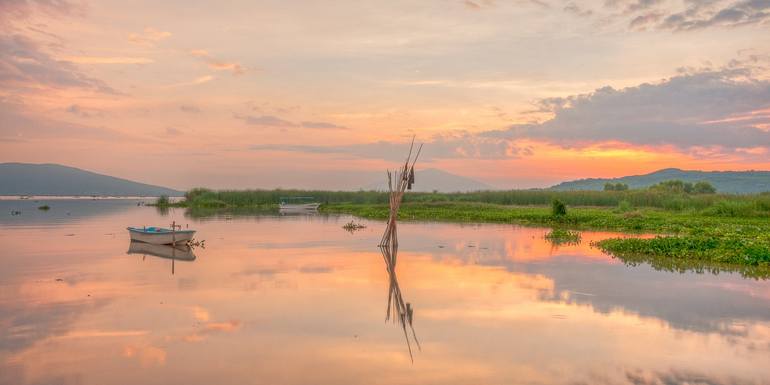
(434, 179)
(55, 179)
(739, 182)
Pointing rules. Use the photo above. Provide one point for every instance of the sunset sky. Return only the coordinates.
(327, 94)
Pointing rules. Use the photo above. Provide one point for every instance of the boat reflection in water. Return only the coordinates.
(174, 253)
(398, 310)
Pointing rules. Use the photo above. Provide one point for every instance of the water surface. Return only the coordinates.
(297, 300)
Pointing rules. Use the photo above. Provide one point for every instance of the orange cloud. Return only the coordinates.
(219, 65)
(147, 355)
(149, 37)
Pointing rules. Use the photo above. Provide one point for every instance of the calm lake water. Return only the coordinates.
(298, 300)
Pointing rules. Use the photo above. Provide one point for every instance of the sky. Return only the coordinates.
(328, 94)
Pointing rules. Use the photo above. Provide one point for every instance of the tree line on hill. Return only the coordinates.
(670, 186)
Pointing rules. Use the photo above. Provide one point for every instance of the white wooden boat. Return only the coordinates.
(160, 235)
(298, 205)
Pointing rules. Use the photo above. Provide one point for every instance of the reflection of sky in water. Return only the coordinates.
(300, 300)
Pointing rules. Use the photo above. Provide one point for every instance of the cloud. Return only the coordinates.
(737, 13)
(699, 112)
(196, 81)
(576, 10)
(689, 110)
(172, 131)
(108, 60)
(18, 122)
(678, 376)
(451, 146)
(219, 65)
(322, 125)
(693, 15)
(148, 355)
(264, 120)
(83, 112)
(149, 37)
(274, 121)
(25, 67)
(471, 5)
(642, 21)
(189, 108)
(478, 4)
(15, 10)
(639, 5)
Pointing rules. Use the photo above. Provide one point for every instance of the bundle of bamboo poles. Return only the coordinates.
(398, 182)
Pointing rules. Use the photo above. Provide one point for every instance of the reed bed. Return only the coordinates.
(711, 204)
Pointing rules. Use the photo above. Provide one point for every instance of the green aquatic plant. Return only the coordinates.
(44, 208)
(353, 226)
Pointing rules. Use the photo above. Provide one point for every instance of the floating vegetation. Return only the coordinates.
(682, 265)
(193, 243)
(563, 237)
(15, 212)
(353, 226)
(44, 208)
(714, 246)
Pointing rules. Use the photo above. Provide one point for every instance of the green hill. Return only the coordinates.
(55, 179)
(738, 182)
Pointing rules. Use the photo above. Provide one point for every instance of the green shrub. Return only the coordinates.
(162, 201)
(558, 208)
(703, 187)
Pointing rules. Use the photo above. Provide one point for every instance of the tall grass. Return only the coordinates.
(711, 204)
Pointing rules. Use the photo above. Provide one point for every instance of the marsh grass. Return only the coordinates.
(752, 205)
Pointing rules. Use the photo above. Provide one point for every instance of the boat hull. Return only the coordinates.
(300, 207)
(161, 238)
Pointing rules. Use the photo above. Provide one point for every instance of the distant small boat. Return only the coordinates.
(298, 204)
(160, 235)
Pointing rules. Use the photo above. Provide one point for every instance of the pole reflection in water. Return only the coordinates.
(398, 310)
(174, 253)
